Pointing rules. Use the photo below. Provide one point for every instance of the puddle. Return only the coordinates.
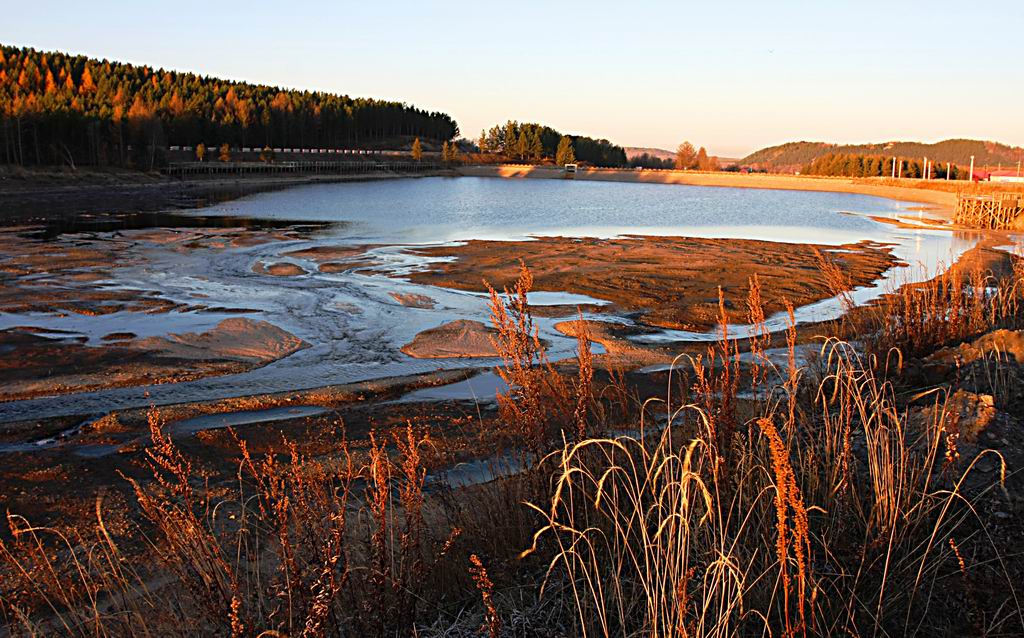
(49, 442)
(188, 427)
(94, 328)
(481, 388)
(477, 471)
(548, 298)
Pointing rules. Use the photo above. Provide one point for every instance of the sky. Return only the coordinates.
(733, 76)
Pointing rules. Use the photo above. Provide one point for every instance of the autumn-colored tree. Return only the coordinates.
(200, 151)
(417, 149)
(225, 153)
(483, 141)
(565, 154)
(703, 163)
(445, 153)
(686, 156)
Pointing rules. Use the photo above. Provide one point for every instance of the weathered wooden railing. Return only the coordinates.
(994, 211)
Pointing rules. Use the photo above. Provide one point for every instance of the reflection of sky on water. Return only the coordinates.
(441, 209)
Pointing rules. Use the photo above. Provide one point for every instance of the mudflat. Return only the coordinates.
(670, 282)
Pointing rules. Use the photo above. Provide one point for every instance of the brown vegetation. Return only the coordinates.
(827, 500)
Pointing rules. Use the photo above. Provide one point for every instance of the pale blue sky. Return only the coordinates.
(733, 76)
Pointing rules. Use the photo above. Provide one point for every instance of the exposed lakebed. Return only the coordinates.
(348, 274)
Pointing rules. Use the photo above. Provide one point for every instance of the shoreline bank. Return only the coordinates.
(91, 192)
(943, 201)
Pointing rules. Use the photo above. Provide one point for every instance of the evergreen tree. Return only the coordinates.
(536, 147)
(483, 141)
(511, 137)
(523, 145)
(565, 155)
(495, 139)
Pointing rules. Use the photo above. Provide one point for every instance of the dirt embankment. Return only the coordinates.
(669, 282)
(943, 200)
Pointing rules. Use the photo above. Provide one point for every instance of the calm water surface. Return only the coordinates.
(438, 209)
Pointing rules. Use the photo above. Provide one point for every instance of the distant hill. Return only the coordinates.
(660, 153)
(793, 155)
(633, 152)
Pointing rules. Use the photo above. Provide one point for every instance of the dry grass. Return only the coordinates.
(820, 504)
(649, 537)
(915, 319)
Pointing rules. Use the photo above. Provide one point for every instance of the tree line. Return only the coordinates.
(793, 155)
(689, 158)
(57, 108)
(849, 165)
(536, 143)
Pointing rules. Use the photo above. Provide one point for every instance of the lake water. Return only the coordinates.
(438, 209)
(354, 324)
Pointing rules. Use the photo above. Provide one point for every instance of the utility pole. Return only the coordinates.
(971, 175)
(924, 169)
(899, 171)
(894, 167)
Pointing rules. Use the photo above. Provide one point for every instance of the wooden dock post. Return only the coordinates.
(998, 211)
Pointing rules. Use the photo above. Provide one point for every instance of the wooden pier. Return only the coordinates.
(187, 169)
(996, 211)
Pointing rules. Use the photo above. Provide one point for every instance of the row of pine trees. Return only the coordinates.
(536, 143)
(64, 109)
(849, 165)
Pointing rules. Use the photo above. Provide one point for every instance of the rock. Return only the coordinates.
(413, 300)
(968, 414)
(1010, 343)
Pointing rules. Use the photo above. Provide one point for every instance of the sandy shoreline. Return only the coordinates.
(942, 200)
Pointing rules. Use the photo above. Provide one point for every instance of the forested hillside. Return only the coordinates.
(794, 155)
(66, 109)
(536, 142)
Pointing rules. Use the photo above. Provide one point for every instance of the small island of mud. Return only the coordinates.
(671, 282)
